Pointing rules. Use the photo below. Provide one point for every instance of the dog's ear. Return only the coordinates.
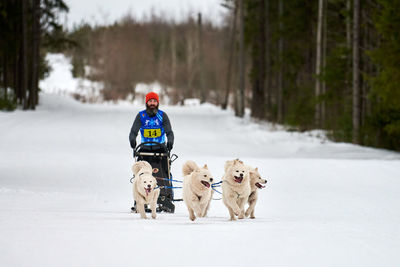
(205, 166)
(252, 171)
(237, 161)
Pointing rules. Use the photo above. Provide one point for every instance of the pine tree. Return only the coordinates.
(384, 123)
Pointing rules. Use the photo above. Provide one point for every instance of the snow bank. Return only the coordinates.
(60, 81)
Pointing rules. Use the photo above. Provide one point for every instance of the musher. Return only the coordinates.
(154, 125)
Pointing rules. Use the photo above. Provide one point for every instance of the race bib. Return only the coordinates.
(152, 133)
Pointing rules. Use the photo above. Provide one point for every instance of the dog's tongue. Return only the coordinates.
(238, 179)
(206, 184)
(148, 190)
(259, 185)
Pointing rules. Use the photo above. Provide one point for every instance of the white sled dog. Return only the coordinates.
(143, 188)
(256, 182)
(197, 192)
(235, 187)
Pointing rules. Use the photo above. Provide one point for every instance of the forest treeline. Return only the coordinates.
(331, 64)
(187, 58)
(326, 64)
(27, 29)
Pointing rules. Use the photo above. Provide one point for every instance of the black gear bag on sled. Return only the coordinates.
(160, 159)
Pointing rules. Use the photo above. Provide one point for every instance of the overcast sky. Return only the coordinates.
(107, 11)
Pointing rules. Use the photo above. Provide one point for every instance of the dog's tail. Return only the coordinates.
(227, 165)
(142, 165)
(189, 167)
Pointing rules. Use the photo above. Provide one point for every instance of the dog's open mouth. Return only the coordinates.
(259, 185)
(206, 184)
(238, 179)
(148, 190)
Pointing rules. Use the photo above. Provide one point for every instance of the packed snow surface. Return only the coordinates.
(65, 193)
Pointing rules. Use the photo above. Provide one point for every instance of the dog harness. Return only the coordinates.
(152, 129)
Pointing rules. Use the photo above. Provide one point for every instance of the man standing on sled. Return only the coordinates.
(156, 137)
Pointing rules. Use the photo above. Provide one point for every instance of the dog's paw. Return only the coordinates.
(233, 219)
(198, 213)
(252, 217)
(241, 216)
(237, 212)
(153, 216)
(192, 218)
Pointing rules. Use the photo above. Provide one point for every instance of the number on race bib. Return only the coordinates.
(152, 133)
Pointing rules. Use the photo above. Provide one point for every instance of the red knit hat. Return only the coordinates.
(152, 95)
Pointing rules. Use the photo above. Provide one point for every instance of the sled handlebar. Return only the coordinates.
(156, 152)
(150, 145)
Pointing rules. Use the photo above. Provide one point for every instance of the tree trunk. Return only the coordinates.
(356, 72)
(349, 46)
(348, 24)
(24, 55)
(318, 64)
(371, 45)
(324, 48)
(190, 63)
(280, 61)
(203, 94)
(16, 80)
(38, 56)
(258, 61)
(267, 56)
(173, 59)
(232, 48)
(5, 77)
(364, 64)
(35, 54)
(239, 110)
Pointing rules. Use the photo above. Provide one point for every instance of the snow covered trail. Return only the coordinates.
(65, 194)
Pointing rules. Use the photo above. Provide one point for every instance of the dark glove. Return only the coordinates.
(169, 146)
(133, 144)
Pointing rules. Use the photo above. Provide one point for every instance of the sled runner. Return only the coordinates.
(160, 159)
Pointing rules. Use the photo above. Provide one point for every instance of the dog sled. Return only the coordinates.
(160, 160)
